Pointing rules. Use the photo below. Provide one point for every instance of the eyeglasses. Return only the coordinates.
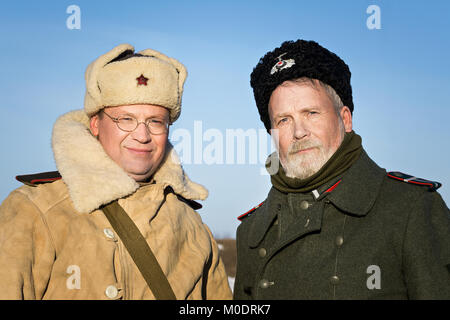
(129, 124)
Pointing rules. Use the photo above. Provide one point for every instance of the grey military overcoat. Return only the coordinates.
(362, 235)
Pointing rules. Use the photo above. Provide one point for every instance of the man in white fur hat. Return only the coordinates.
(58, 239)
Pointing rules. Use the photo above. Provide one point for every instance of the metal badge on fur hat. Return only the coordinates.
(282, 64)
(123, 77)
(293, 60)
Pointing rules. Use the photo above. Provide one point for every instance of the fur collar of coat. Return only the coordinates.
(94, 179)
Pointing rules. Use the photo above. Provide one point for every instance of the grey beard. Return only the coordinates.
(304, 166)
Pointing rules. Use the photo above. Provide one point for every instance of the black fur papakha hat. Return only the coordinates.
(295, 60)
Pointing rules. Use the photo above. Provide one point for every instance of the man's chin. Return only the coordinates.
(141, 177)
(303, 174)
(305, 158)
(140, 174)
(301, 166)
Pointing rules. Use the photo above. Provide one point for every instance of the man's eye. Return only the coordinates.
(155, 121)
(126, 119)
(283, 121)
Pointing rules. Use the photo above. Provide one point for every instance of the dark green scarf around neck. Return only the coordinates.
(347, 153)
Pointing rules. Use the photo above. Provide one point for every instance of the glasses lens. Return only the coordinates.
(127, 123)
(157, 126)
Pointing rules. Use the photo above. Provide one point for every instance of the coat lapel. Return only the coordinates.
(360, 186)
(264, 217)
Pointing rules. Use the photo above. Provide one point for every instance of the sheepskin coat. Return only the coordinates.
(55, 243)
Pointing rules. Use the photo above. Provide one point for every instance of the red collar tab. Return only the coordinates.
(249, 212)
(432, 185)
(333, 187)
(319, 196)
(39, 178)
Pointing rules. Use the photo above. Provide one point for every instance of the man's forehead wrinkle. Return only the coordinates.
(296, 108)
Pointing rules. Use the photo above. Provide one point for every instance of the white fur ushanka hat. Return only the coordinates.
(122, 77)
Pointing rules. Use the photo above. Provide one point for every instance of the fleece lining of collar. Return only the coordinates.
(94, 179)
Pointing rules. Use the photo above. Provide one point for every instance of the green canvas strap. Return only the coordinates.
(139, 251)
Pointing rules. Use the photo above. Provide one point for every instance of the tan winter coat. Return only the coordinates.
(56, 244)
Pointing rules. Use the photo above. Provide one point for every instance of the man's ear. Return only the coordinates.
(93, 125)
(346, 116)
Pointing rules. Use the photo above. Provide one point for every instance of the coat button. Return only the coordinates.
(108, 233)
(334, 280)
(262, 252)
(304, 205)
(339, 240)
(111, 292)
(264, 283)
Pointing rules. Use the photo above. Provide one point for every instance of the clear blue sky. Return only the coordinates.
(400, 78)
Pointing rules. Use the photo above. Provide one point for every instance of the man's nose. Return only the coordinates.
(142, 133)
(300, 129)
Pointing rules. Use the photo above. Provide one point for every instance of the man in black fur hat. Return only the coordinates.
(334, 225)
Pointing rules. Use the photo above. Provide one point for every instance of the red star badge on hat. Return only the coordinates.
(141, 80)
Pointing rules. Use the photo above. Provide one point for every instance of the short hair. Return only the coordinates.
(99, 114)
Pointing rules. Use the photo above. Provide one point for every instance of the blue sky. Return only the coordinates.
(400, 80)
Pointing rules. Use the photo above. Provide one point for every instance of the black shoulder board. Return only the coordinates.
(432, 185)
(39, 178)
(249, 212)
